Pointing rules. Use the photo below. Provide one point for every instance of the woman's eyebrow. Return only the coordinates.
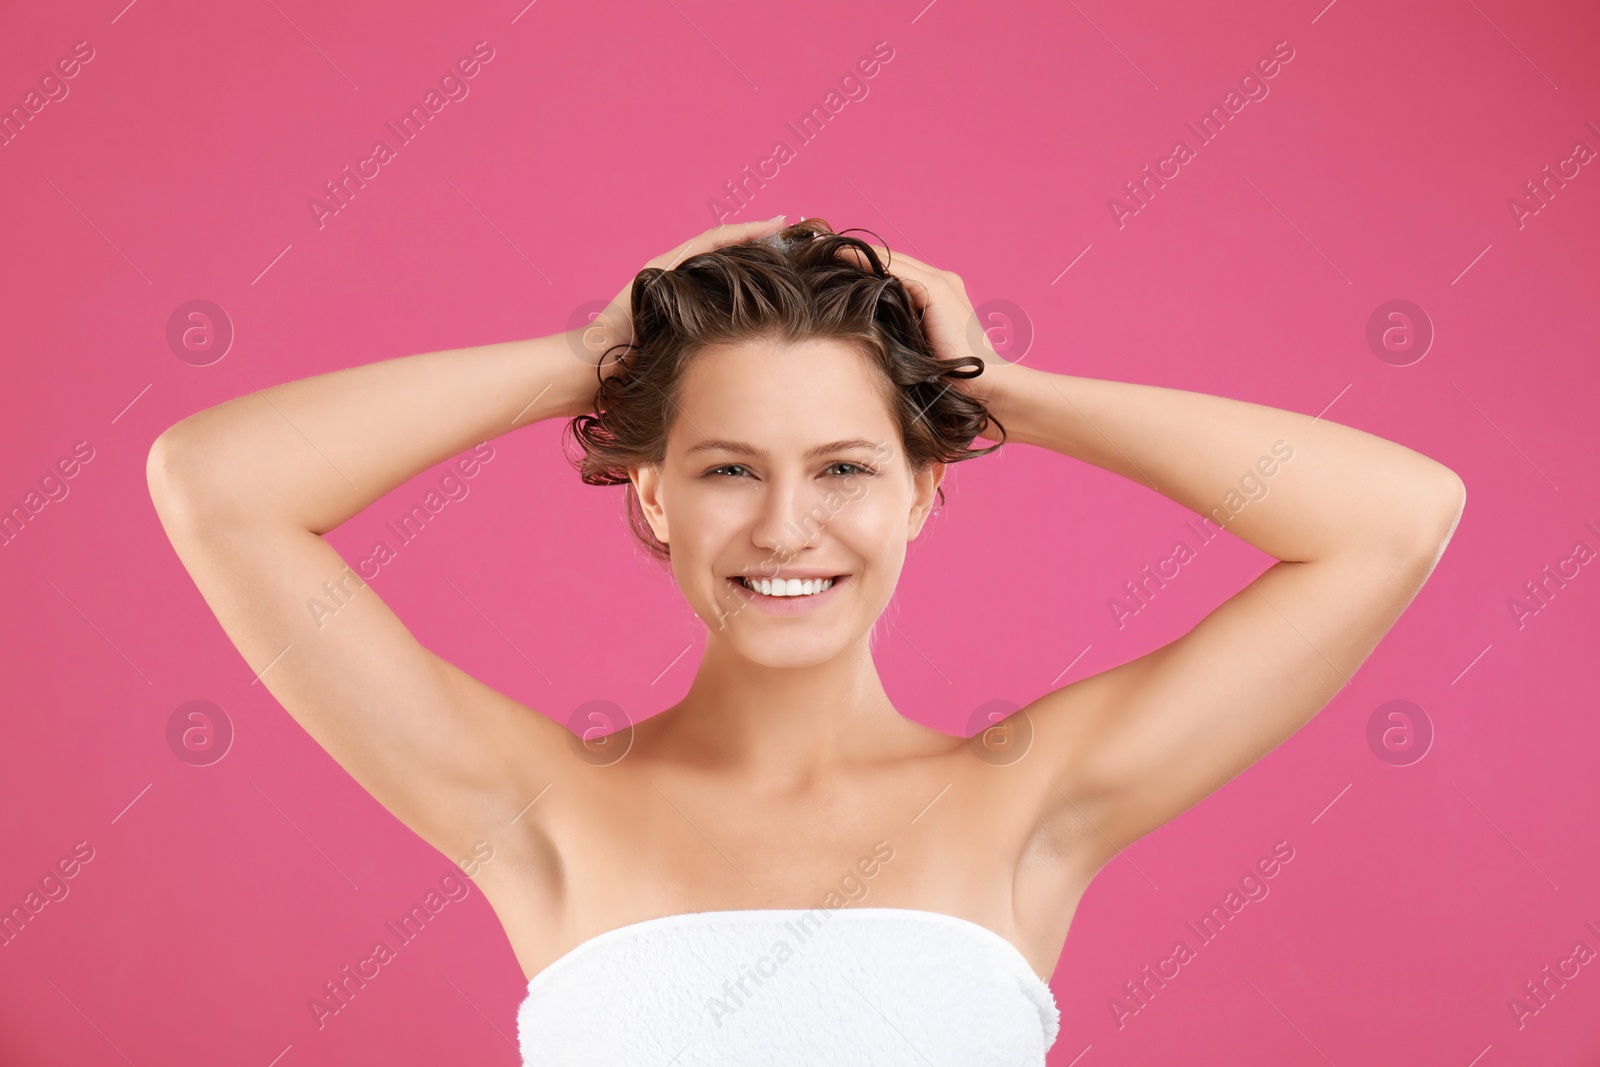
(741, 448)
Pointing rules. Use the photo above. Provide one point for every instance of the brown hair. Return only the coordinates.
(790, 287)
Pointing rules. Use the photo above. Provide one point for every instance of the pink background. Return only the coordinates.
(1420, 897)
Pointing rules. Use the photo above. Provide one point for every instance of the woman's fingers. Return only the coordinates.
(918, 278)
(948, 317)
(719, 237)
(614, 324)
(904, 265)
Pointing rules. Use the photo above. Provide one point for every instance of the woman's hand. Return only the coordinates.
(952, 327)
(614, 325)
(948, 317)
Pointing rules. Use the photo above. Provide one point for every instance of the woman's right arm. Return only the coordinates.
(245, 490)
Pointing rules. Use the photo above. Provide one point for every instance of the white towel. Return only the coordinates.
(884, 987)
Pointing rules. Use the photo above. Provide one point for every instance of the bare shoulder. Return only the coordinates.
(1130, 748)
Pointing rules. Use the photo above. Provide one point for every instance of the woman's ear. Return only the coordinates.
(647, 485)
(925, 485)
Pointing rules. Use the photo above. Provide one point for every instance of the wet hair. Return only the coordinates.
(792, 286)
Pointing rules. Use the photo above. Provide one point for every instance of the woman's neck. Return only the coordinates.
(786, 724)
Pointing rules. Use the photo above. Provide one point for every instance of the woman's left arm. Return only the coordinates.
(1356, 523)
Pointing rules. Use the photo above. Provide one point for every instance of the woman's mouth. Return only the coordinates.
(789, 586)
(788, 596)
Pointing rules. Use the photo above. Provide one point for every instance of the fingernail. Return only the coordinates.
(777, 218)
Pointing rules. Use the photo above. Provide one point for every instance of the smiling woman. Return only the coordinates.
(841, 350)
(781, 405)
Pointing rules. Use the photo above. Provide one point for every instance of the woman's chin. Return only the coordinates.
(788, 647)
(787, 659)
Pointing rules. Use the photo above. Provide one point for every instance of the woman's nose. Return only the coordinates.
(791, 516)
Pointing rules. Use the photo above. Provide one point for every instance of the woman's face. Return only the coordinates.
(785, 460)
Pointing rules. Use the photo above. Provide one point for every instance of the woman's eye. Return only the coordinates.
(842, 469)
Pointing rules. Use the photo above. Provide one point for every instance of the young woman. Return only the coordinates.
(781, 405)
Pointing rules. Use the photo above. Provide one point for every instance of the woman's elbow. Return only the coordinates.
(179, 473)
(1453, 499)
(1438, 511)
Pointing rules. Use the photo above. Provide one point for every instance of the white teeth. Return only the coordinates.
(788, 586)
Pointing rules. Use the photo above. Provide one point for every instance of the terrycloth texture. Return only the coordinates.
(886, 987)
